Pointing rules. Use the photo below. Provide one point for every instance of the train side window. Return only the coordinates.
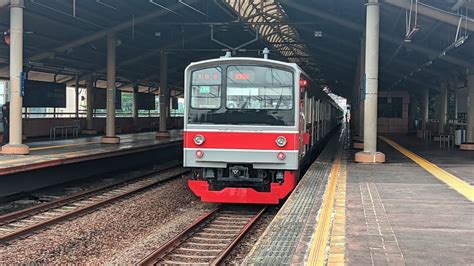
(206, 88)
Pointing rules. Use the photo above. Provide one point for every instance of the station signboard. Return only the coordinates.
(146, 101)
(44, 94)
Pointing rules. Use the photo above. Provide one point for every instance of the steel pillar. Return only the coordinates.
(15, 146)
(425, 108)
(110, 137)
(443, 109)
(469, 145)
(164, 97)
(370, 154)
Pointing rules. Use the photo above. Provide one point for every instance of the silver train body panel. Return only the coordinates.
(260, 159)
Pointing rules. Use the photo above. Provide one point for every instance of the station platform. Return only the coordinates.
(414, 209)
(455, 161)
(51, 153)
(81, 152)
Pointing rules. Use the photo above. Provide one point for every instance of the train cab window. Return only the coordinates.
(259, 88)
(206, 88)
(248, 95)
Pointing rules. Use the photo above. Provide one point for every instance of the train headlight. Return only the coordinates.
(199, 139)
(199, 153)
(281, 141)
(281, 156)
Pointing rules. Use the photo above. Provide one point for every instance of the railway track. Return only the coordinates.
(20, 223)
(208, 240)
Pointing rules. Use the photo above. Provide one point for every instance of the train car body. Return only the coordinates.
(249, 126)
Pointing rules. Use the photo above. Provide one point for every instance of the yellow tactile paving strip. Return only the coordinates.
(338, 232)
(454, 182)
(60, 146)
(317, 254)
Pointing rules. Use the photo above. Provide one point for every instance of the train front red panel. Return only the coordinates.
(241, 140)
(244, 195)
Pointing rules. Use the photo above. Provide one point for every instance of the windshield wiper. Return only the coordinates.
(279, 101)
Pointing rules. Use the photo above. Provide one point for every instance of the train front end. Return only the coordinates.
(242, 136)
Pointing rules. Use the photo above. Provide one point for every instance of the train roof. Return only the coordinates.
(234, 59)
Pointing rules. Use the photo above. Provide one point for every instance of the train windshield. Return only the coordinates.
(242, 95)
(255, 88)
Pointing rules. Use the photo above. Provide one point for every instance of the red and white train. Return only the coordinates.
(250, 126)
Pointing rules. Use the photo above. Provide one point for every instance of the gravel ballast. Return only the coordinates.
(122, 233)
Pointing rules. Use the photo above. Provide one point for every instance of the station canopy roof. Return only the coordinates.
(420, 45)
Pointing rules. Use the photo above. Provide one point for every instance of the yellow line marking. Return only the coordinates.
(60, 146)
(319, 244)
(338, 233)
(461, 186)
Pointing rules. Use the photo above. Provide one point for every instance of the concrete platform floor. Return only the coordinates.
(455, 161)
(398, 213)
(377, 214)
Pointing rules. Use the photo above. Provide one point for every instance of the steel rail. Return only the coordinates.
(68, 199)
(197, 227)
(93, 199)
(154, 257)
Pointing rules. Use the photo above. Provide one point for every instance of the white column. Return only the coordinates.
(135, 106)
(355, 99)
(164, 96)
(362, 83)
(412, 112)
(90, 101)
(443, 109)
(470, 108)
(15, 145)
(76, 92)
(455, 90)
(469, 144)
(89, 130)
(111, 72)
(370, 154)
(425, 108)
